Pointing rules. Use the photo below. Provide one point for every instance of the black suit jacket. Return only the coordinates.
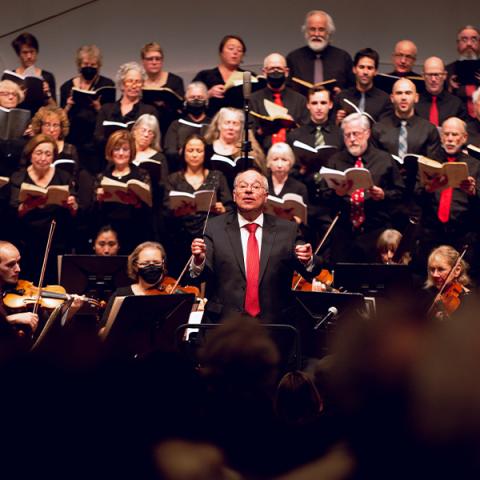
(225, 267)
(337, 64)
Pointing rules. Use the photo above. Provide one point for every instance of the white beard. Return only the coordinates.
(317, 45)
(469, 56)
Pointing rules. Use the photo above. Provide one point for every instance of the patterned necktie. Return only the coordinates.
(403, 139)
(281, 135)
(433, 115)
(357, 200)
(445, 201)
(361, 105)
(318, 69)
(319, 138)
(252, 302)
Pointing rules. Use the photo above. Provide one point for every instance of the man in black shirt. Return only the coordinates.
(435, 103)
(365, 212)
(364, 94)
(404, 132)
(403, 59)
(468, 48)
(276, 71)
(473, 126)
(318, 60)
(319, 130)
(450, 215)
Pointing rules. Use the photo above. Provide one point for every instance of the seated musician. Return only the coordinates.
(387, 245)
(9, 273)
(457, 282)
(106, 241)
(146, 267)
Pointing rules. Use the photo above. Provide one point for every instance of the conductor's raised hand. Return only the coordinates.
(199, 250)
(304, 252)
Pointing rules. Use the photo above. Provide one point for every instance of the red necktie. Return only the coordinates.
(357, 199)
(252, 302)
(281, 135)
(433, 116)
(445, 201)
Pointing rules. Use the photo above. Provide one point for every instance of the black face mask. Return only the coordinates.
(276, 79)
(89, 73)
(151, 273)
(196, 107)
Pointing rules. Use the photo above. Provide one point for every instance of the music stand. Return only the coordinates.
(138, 324)
(312, 308)
(373, 279)
(95, 276)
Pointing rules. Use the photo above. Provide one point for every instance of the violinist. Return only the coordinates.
(454, 283)
(9, 273)
(146, 267)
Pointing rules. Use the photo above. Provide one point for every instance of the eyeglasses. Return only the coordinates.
(434, 75)
(148, 264)
(354, 134)
(255, 187)
(153, 59)
(467, 39)
(131, 82)
(52, 125)
(8, 94)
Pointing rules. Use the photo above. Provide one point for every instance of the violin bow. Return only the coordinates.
(182, 273)
(448, 279)
(44, 265)
(320, 244)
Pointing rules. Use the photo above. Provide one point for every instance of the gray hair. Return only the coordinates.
(8, 84)
(213, 132)
(149, 121)
(330, 24)
(282, 149)
(124, 69)
(197, 84)
(356, 118)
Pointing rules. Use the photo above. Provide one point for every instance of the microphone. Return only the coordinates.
(247, 85)
(331, 314)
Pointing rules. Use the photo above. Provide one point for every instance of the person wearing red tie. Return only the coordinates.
(248, 257)
(365, 212)
(436, 104)
(450, 215)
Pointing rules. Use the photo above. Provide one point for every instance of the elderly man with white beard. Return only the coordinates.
(319, 60)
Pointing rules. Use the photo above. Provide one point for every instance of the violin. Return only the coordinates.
(26, 294)
(168, 286)
(450, 298)
(299, 283)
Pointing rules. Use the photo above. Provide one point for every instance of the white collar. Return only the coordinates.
(242, 221)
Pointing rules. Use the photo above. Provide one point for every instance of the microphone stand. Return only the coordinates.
(247, 90)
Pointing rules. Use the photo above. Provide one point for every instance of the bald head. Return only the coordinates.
(434, 74)
(276, 70)
(275, 60)
(404, 97)
(404, 56)
(453, 135)
(9, 263)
